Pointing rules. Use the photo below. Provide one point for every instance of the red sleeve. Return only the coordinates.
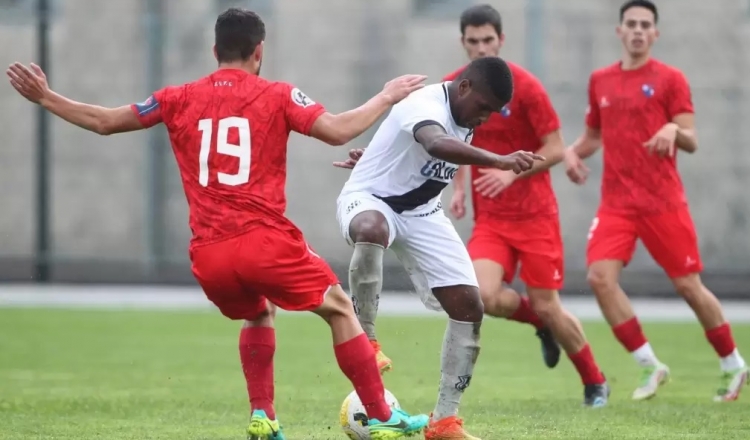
(453, 75)
(592, 111)
(300, 111)
(539, 110)
(150, 111)
(679, 99)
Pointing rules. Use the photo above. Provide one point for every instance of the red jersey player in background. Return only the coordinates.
(229, 133)
(516, 216)
(641, 111)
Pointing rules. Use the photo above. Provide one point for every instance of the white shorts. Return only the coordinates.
(429, 247)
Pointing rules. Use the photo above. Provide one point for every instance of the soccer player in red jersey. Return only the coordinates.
(641, 110)
(229, 133)
(516, 216)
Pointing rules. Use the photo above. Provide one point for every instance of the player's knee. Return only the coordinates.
(369, 227)
(601, 280)
(336, 303)
(545, 303)
(496, 300)
(263, 318)
(488, 292)
(689, 287)
(461, 303)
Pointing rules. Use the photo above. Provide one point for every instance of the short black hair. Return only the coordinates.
(480, 15)
(639, 4)
(237, 33)
(492, 73)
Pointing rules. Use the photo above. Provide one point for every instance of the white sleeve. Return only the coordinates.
(415, 112)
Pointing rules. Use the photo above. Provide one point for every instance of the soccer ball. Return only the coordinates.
(353, 416)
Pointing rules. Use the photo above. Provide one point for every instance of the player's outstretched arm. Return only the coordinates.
(343, 127)
(31, 83)
(440, 145)
(101, 120)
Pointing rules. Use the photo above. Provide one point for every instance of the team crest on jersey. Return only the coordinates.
(301, 99)
(648, 90)
(505, 111)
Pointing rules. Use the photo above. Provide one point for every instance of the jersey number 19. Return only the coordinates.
(240, 150)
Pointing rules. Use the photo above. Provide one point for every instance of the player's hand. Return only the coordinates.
(493, 182)
(518, 162)
(354, 156)
(30, 82)
(576, 170)
(663, 142)
(458, 204)
(397, 89)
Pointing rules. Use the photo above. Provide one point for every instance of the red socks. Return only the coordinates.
(630, 334)
(721, 339)
(524, 313)
(586, 366)
(257, 347)
(356, 359)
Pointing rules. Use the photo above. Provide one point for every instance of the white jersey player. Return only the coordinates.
(392, 199)
(398, 178)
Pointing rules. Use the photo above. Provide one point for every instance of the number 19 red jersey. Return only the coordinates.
(229, 134)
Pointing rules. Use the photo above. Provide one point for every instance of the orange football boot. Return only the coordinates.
(384, 363)
(449, 428)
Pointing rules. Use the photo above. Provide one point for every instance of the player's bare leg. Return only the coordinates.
(718, 332)
(356, 358)
(569, 333)
(603, 277)
(501, 301)
(369, 232)
(464, 307)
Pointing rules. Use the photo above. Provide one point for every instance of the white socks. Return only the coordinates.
(645, 356)
(460, 352)
(366, 282)
(732, 362)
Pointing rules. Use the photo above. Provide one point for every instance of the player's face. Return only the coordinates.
(481, 41)
(637, 31)
(473, 108)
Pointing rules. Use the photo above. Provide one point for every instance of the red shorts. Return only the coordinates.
(267, 262)
(536, 244)
(670, 238)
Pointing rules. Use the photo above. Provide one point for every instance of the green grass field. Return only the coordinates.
(156, 375)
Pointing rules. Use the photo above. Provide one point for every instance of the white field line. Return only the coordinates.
(391, 303)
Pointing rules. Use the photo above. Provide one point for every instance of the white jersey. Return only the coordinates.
(395, 168)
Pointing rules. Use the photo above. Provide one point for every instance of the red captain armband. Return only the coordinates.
(148, 111)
